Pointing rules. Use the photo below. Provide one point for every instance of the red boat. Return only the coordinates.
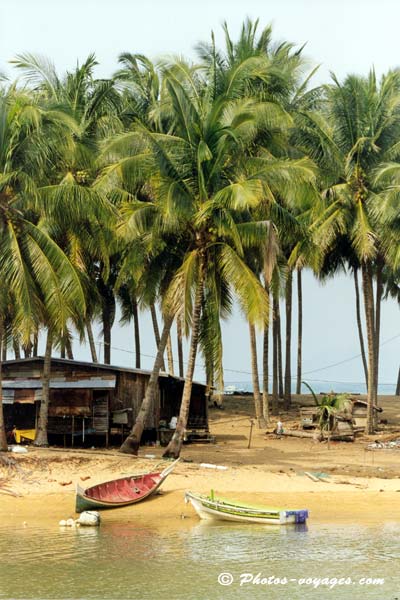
(121, 492)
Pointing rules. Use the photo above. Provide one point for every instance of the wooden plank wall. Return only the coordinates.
(70, 402)
(129, 394)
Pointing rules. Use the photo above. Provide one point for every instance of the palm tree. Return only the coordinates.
(359, 324)
(156, 330)
(199, 190)
(155, 276)
(281, 82)
(3, 312)
(37, 277)
(278, 79)
(355, 141)
(179, 343)
(41, 431)
(288, 372)
(218, 182)
(299, 330)
(149, 259)
(256, 382)
(265, 390)
(127, 295)
(392, 290)
(90, 110)
(72, 212)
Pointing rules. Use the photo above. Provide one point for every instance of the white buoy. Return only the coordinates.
(89, 518)
(62, 523)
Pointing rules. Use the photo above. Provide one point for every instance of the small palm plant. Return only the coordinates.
(328, 407)
(327, 410)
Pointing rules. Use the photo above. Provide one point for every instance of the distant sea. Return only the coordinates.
(321, 387)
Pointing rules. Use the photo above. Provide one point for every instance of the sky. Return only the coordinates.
(343, 36)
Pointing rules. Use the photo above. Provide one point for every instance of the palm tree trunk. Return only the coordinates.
(35, 343)
(170, 356)
(3, 437)
(92, 345)
(68, 347)
(275, 405)
(106, 317)
(398, 383)
(255, 377)
(132, 442)
(17, 351)
(209, 381)
(288, 348)
(62, 348)
(265, 397)
(4, 346)
(41, 433)
(359, 326)
(136, 332)
(279, 338)
(156, 330)
(174, 447)
(179, 341)
(299, 330)
(27, 348)
(378, 302)
(370, 318)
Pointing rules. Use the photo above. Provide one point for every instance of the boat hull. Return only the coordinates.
(120, 492)
(217, 510)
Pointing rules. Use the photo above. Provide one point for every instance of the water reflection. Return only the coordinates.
(129, 560)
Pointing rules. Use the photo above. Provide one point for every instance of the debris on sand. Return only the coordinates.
(388, 445)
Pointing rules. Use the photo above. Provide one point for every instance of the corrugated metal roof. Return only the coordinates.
(91, 365)
(32, 384)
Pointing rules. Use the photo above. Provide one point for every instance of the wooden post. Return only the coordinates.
(251, 431)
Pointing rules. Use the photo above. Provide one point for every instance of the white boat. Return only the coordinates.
(211, 508)
(232, 389)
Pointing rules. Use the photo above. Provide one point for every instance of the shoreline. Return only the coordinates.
(170, 511)
(357, 485)
(356, 500)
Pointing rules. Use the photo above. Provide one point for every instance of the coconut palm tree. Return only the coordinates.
(90, 108)
(152, 277)
(37, 277)
(355, 141)
(223, 182)
(127, 295)
(200, 185)
(280, 80)
(277, 78)
(70, 210)
(391, 279)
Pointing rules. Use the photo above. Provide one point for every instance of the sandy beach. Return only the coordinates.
(359, 485)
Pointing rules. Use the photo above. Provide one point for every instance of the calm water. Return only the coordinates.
(136, 561)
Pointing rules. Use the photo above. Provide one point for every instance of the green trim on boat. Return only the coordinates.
(239, 504)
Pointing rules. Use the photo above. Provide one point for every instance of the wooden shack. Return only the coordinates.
(309, 417)
(347, 422)
(90, 399)
(360, 414)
